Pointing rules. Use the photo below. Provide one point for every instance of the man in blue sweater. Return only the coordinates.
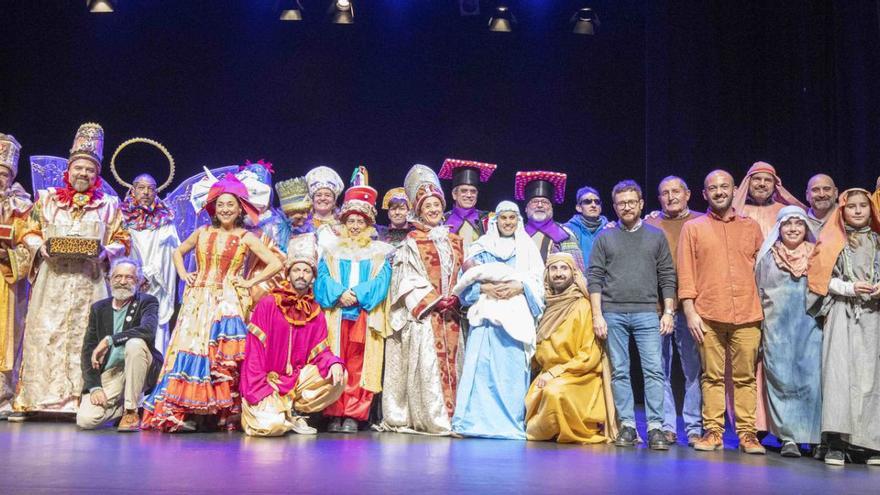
(589, 220)
(630, 269)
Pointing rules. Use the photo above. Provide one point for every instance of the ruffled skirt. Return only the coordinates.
(201, 370)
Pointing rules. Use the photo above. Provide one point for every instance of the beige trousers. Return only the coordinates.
(123, 387)
(740, 342)
(272, 416)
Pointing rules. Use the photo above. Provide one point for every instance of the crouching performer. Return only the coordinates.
(288, 367)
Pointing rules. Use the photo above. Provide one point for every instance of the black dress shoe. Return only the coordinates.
(657, 440)
(627, 437)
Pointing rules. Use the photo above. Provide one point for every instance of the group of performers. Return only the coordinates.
(446, 321)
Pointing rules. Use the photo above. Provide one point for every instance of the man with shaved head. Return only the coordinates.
(153, 241)
(822, 196)
(719, 296)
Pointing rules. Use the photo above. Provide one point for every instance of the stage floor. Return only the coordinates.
(51, 457)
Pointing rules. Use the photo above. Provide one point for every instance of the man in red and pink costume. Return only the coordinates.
(288, 368)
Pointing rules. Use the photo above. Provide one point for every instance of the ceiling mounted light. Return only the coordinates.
(100, 6)
(502, 20)
(342, 12)
(290, 10)
(584, 21)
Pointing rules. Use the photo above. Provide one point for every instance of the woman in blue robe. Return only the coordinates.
(792, 339)
(501, 282)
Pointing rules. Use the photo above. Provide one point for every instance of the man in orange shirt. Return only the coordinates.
(719, 296)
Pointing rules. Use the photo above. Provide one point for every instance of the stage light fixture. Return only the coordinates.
(502, 20)
(584, 21)
(290, 10)
(100, 6)
(342, 12)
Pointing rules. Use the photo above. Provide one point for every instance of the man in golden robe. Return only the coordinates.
(570, 400)
(15, 203)
(65, 286)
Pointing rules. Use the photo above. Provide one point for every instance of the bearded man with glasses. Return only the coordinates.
(630, 269)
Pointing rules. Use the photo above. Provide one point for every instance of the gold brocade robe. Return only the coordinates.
(63, 291)
(576, 405)
(13, 290)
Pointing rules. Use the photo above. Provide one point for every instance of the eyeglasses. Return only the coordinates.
(632, 203)
(540, 201)
(591, 201)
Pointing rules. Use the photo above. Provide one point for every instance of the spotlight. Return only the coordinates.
(584, 21)
(100, 6)
(342, 12)
(502, 20)
(290, 10)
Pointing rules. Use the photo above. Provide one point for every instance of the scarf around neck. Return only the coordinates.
(794, 261)
(137, 217)
(297, 309)
(458, 216)
(69, 196)
(547, 227)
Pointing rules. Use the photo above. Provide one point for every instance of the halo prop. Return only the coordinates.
(159, 146)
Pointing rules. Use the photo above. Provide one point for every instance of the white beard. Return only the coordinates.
(121, 293)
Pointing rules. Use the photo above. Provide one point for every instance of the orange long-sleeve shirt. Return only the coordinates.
(716, 263)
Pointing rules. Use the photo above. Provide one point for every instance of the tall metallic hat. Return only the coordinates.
(88, 143)
(324, 178)
(360, 198)
(9, 151)
(421, 183)
(294, 194)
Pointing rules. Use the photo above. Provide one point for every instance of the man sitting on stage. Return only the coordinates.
(288, 367)
(119, 361)
(570, 400)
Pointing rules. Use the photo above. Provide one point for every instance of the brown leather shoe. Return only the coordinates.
(749, 444)
(712, 440)
(130, 422)
(670, 436)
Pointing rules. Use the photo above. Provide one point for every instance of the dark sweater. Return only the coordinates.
(631, 269)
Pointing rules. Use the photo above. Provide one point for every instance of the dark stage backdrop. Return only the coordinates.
(219, 82)
(667, 87)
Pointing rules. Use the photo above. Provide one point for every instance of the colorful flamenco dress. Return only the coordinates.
(201, 370)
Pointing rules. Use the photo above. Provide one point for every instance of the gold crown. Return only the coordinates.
(294, 194)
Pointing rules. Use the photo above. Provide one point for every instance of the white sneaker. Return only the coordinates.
(298, 425)
(874, 460)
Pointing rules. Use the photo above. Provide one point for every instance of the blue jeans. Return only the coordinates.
(645, 329)
(689, 352)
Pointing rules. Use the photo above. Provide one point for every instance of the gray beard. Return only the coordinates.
(80, 185)
(121, 293)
